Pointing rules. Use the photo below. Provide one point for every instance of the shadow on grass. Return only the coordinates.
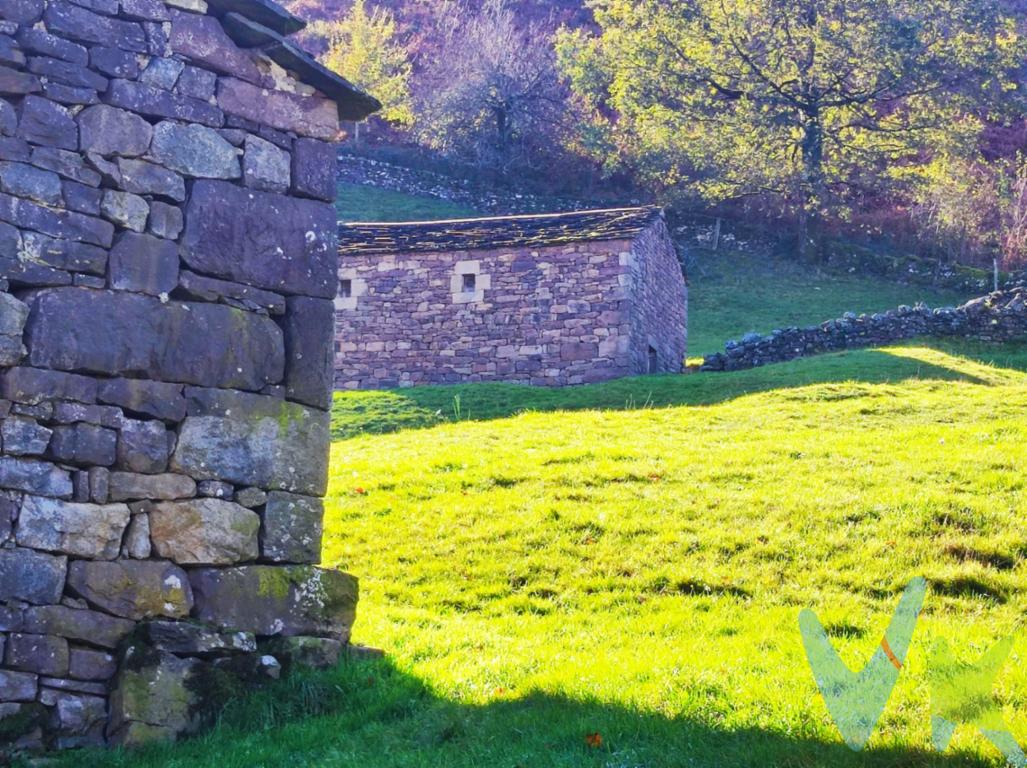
(378, 412)
(370, 715)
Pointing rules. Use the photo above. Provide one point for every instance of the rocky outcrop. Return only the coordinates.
(167, 255)
(1000, 316)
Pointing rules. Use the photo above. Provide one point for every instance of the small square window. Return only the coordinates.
(345, 289)
(469, 283)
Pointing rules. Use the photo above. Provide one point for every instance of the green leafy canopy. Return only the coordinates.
(793, 97)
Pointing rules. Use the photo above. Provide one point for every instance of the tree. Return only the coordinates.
(807, 100)
(973, 209)
(362, 48)
(491, 94)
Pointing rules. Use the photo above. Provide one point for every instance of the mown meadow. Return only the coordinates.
(611, 576)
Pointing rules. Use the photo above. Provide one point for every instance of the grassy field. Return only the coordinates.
(733, 293)
(610, 576)
(635, 570)
(360, 203)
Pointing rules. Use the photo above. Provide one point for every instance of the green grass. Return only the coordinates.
(538, 573)
(360, 203)
(733, 293)
(630, 558)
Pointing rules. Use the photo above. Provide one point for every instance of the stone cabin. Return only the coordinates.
(168, 265)
(549, 300)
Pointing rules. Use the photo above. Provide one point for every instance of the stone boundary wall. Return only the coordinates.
(996, 317)
(562, 315)
(167, 269)
(483, 198)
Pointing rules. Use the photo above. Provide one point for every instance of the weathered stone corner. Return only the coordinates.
(167, 267)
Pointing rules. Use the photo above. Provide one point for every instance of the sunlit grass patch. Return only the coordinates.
(629, 560)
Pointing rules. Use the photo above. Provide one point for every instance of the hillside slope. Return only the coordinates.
(414, 15)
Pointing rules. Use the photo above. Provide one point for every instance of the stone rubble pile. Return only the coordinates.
(167, 268)
(997, 317)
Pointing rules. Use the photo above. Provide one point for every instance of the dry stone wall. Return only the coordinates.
(551, 316)
(997, 317)
(167, 270)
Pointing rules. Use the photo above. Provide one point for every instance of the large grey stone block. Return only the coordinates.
(204, 532)
(23, 12)
(38, 477)
(133, 589)
(27, 181)
(285, 452)
(91, 665)
(144, 264)
(80, 718)
(39, 654)
(192, 639)
(35, 385)
(65, 73)
(162, 73)
(114, 62)
(84, 625)
(149, 398)
(265, 166)
(131, 486)
(143, 178)
(309, 327)
(276, 600)
(125, 209)
(63, 254)
(306, 115)
(47, 123)
(194, 150)
(143, 447)
(202, 40)
(292, 528)
(165, 220)
(30, 576)
(156, 697)
(70, 165)
(18, 686)
(84, 444)
(234, 294)
(271, 241)
(315, 171)
(173, 342)
(24, 436)
(82, 530)
(108, 130)
(75, 23)
(39, 41)
(16, 83)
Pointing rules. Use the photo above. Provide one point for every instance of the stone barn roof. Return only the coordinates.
(265, 25)
(535, 231)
